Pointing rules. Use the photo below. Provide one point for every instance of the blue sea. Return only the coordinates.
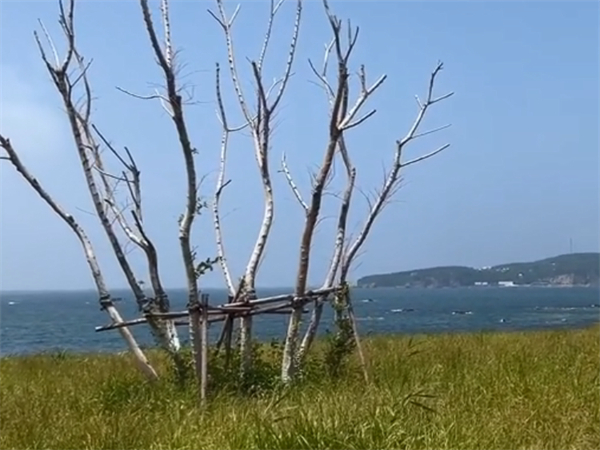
(32, 322)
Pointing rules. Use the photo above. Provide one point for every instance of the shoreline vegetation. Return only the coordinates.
(569, 270)
(493, 390)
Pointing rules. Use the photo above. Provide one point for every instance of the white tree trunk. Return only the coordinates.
(90, 256)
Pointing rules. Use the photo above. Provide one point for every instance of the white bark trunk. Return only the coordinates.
(176, 103)
(90, 256)
(260, 128)
(336, 259)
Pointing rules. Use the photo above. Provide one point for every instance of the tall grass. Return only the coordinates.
(537, 390)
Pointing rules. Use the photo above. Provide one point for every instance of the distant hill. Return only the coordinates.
(575, 269)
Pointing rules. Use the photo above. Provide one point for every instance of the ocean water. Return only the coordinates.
(32, 322)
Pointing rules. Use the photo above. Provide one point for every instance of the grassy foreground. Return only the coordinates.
(537, 390)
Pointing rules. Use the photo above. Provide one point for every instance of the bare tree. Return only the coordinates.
(105, 299)
(126, 220)
(173, 103)
(103, 193)
(68, 76)
(342, 118)
(259, 122)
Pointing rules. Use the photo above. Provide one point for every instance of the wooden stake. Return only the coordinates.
(204, 350)
(196, 338)
(228, 341)
(361, 355)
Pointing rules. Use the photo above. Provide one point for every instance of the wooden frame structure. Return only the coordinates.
(198, 316)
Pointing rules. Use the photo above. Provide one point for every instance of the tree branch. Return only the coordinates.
(84, 140)
(165, 62)
(293, 186)
(392, 180)
(221, 184)
(101, 287)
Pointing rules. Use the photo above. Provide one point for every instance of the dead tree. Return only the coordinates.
(258, 120)
(342, 118)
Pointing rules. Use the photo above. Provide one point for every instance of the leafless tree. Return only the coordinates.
(104, 296)
(259, 122)
(70, 78)
(124, 222)
(343, 117)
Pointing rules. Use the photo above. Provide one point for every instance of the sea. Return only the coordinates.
(35, 322)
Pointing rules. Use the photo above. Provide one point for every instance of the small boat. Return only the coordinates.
(454, 313)
(367, 300)
(401, 310)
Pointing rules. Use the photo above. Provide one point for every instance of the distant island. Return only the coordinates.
(574, 269)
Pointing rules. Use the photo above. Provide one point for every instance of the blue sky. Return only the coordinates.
(519, 180)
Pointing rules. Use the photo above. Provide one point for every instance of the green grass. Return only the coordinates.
(537, 390)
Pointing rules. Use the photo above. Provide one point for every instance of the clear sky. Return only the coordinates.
(518, 182)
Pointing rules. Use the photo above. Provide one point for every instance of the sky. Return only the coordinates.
(519, 182)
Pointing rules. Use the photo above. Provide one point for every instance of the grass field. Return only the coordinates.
(536, 390)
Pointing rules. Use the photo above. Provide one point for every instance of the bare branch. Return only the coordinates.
(143, 97)
(291, 54)
(226, 25)
(164, 12)
(103, 292)
(360, 120)
(221, 184)
(267, 38)
(67, 24)
(426, 156)
(291, 183)
(346, 122)
(177, 115)
(424, 106)
(124, 225)
(50, 42)
(392, 180)
(133, 185)
(435, 130)
(109, 175)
